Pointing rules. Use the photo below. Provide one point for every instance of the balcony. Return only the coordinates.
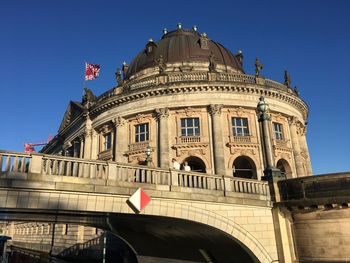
(241, 139)
(105, 155)
(188, 139)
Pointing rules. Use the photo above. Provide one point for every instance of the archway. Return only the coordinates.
(244, 167)
(285, 168)
(196, 164)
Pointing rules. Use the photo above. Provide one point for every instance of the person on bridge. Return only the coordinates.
(176, 164)
(187, 168)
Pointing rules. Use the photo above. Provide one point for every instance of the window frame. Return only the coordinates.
(235, 126)
(278, 131)
(193, 127)
(138, 133)
(107, 143)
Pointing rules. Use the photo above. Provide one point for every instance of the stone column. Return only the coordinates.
(296, 147)
(218, 142)
(163, 137)
(87, 143)
(94, 144)
(121, 139)
(304, 149)
(81, 152)
(266, 138)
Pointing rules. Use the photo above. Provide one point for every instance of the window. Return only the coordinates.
(240, 127)
(277, 129)
(107, 141)
(141, 132)
(190, 127)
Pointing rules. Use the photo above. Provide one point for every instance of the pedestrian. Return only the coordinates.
(187, 168)
(176, 164)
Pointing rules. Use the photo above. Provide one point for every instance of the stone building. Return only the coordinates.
(187, 97)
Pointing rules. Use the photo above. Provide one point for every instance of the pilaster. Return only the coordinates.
(296, 147)
(121, 139)
(163, 136)
(218, 142)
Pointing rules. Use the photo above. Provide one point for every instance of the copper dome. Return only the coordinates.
(183, 45)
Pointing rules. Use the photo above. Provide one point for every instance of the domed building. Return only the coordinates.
(187, 97)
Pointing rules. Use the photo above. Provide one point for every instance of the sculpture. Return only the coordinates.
(258, 67)
(287, 80)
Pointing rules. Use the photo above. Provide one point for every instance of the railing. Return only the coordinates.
(326, 187)
(138, 146)
(189, 139)
(281, 143)
(241, 139)
(52, 165)
(192, 76)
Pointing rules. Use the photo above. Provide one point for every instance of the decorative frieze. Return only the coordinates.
(119, 121)
(162, 113)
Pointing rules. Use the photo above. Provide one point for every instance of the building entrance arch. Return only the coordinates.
(285, 168)
(244, 167)
(196, 164)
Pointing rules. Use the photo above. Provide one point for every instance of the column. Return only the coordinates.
(94, 144)
(81, 151)
(87, 143)
(304, 148)
(218, 142)
(120, 139)
(295, 146)
(163, 135)
(266, 138)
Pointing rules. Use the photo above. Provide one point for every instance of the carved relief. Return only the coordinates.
(162, 113)
(140, 118)
(215, 109)
(119, 121)
(189, 111)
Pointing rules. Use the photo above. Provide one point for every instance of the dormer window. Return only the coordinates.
(150, 47)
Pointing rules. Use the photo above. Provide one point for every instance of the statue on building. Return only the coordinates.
(212, 63)
(88, 98)
(287, 80)
(258, 67)
(119, 77)
(296, 91)
(161, 64)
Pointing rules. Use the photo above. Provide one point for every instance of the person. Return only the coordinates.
(176, 165)
(187, 168)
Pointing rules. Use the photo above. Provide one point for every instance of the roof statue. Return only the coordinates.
(118, 75)
(287, 80)
(212, 64)
(161, 64)
(258, 67)
(88, 98)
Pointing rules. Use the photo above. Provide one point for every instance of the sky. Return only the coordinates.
(44, 46)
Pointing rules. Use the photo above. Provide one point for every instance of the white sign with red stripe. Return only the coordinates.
(139, 199)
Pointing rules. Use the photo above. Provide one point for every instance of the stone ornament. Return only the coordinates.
(215, 109)
(119, 121)
(162, 113)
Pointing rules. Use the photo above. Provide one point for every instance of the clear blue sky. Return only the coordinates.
(44, 44)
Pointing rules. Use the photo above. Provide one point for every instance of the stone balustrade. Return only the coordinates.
(193, 77)
(189, 139)
(12, 163)
(241, 139)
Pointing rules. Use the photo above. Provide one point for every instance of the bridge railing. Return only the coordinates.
(52, 165)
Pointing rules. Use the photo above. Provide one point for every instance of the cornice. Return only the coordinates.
(204, 86)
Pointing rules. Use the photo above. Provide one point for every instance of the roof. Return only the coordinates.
(183, 45)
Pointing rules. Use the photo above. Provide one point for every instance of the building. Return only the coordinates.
(187, 97)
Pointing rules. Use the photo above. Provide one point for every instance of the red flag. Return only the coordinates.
(91, 71)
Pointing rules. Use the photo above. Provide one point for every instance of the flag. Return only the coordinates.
(91, 71)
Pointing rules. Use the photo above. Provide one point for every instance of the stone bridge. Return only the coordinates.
(192, 216)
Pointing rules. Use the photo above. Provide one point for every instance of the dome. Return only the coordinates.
(183, 45)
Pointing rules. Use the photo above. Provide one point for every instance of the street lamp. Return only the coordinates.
(262, 109)
(148, 155)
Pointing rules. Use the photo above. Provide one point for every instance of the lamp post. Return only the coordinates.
(148, 155)
(270, 170)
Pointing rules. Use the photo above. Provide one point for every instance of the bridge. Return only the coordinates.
(192, 217)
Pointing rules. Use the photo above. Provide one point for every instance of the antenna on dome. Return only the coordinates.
(179, 25)
(195, 28)
(165, 31)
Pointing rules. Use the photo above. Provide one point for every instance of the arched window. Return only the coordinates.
(285, 168)
(244, 167)
(196, 164)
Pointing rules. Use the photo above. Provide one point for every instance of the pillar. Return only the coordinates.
(81, 151)
(304, 148)
(87, 143)
(218, 142)
(120, 139)
(163, 137)
(94, 144)
(296, 146)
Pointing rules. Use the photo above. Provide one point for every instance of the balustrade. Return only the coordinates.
(241, 139)
(189, 139)
(51, 165)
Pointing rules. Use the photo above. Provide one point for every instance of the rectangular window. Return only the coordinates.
(107, 141)
(277, 129)
(190, 127)
(240, 126)
(142, 132)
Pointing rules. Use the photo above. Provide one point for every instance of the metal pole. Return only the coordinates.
(104, 247)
